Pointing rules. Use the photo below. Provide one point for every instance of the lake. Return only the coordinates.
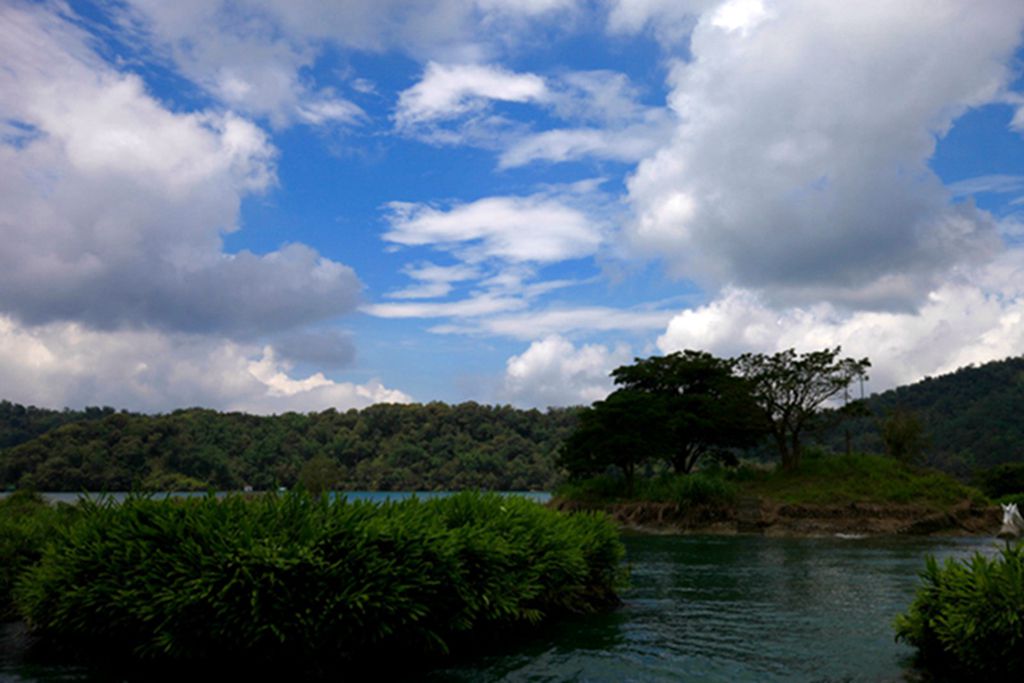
(739, 608)
(375, 496)
(704, 608)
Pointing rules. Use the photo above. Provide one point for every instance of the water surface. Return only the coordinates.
(741, 608)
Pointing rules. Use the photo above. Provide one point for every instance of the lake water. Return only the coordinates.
(376, 496)
(741, 608)
(703, 608)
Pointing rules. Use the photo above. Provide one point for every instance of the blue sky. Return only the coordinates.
(272, 206)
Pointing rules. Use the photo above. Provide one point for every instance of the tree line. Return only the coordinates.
(433, 446)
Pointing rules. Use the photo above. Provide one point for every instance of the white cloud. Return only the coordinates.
(799, 165)
(562, 320)
(536, 228)
(239, 54)
(973, 318)
(255, 55)
(554, 372)
(448, 91)
(608, 118)
(112, 207)
(66, 364)
(478, 305)
(434, 281)
(671, 21)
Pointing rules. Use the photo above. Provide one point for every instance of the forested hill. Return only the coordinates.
(383, 447)
(969, 419)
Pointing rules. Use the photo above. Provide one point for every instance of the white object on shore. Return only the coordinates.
(1013, 523)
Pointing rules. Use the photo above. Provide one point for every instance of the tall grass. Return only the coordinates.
(295, 579)
(968, 616)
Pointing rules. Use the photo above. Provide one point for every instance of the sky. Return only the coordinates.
(293, 205)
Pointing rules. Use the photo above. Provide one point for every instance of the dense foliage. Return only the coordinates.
(383, 447)
(969, 419)
(671, 411)
(27, 523)
(295, 579)
(968, 616)
(19, 423)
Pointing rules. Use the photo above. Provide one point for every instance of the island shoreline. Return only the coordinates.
(765, 517)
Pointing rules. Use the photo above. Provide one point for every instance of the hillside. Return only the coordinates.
(383, 447)
(971, 419)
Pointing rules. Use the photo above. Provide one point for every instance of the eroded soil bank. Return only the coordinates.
(759, 515)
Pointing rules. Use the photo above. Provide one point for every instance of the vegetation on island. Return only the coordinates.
(967, 619)
(670, 412)
(300, 581)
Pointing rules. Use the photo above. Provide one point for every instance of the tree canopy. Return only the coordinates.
(790, 388)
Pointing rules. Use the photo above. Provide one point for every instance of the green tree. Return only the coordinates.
(707, 408)
(903, 435)
(790, 388)
(320, 473)
(624, 430)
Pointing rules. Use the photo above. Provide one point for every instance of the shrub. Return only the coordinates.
(295, 579)
(968, 616)
(26, 524)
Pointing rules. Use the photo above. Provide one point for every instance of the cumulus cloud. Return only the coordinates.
(973, 318)
(554, 372)
(449, 91)
(323, 348)
(67, 364)
(537, 228)
(112, 207)
(799, 165)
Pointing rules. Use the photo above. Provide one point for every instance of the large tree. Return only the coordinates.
(790, 388)
(625, 430)
(708, 409)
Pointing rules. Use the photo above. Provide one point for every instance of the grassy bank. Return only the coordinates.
(821, 480)
(297, 581)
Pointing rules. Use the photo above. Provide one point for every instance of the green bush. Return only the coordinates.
(26, 524)
(296, 579)
(690, 489)
(1017, 498)
(968, 616)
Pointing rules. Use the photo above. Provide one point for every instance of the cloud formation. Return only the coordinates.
(113, 206)
(799, 164)
(536, 228)
(554, 372)
(973, 318)
(67, 364)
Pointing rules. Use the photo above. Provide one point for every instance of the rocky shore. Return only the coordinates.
(772, 518)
